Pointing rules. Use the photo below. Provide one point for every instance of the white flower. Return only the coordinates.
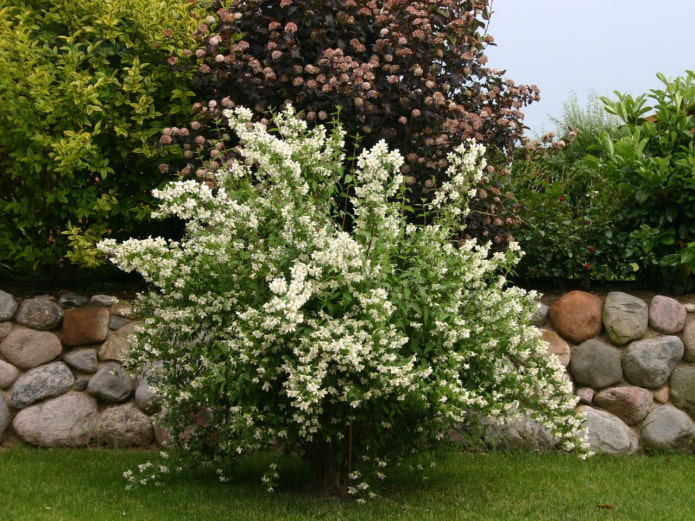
(283, 326)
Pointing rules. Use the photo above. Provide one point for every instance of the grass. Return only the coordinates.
(77, 485)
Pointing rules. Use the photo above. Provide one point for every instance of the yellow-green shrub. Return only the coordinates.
(86, 87)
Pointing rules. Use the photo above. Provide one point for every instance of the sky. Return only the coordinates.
(589, 46)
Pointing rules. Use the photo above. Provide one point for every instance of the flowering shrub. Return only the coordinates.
(271, 324)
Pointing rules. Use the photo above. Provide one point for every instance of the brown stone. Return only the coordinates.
(85, 325)
(662, 395)
(631, 404)
(557, 346)
(8, 374)
(123, 309)
(576, 316)
(117, 345)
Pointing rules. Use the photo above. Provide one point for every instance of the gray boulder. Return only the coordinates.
(4, 416)
(146, 398)
(105, 301)
(630, 404)
(667, 315)
(8, 306)
(649, 362)
(540, 317)
(8, 374)
(81, 383)
(39, 313)
(668, 429)
(111, 383)
(45, 381)
(124, 426)
(683, 389)
(66, 421)
(524, 434)
(84, 360)
(5, 328)
(596, 364)
(625, 317)
(72, 300)
(116, 322)
(688, 338)
(608, 434)
(27, 348)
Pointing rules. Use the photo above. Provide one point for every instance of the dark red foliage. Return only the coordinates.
(411, 73)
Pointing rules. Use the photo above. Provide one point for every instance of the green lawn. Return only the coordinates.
(77, 485)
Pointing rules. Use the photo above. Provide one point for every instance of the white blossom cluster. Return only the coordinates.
(273, 324)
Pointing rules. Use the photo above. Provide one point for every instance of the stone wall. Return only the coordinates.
(632, 364)
(631, 361)
(61, 378)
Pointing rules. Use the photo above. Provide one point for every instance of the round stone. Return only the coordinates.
(5, 329)
(688, 337)
(124, 426)
(629, 403)
(8, 306)
(66, 421)
(668, 429)
(105, 301)
(576, 316)
(683, 389)
(42, 382)
(84, 360)
(4, 416)
(72, 300)
(85, 325)
(111, 383)
(595, 364)
(625, 317)
(667, 315)
(648, 363)
(27, 348)
(607, 433)
(39, 313)
(8, 374)
(117, 344)
(557, 346)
